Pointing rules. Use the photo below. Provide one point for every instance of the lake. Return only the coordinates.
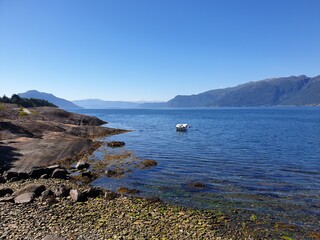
(262, 159)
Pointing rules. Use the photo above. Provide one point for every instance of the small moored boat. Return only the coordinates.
(181, 127)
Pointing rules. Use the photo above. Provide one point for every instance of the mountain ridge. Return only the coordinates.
(60, 102)
(293, 90)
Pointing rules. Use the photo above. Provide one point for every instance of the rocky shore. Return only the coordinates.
(106, 216)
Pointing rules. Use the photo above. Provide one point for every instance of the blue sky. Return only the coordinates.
(153, 49)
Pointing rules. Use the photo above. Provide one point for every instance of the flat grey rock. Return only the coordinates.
(25, 197)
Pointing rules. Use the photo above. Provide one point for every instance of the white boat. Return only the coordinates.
(181, 127)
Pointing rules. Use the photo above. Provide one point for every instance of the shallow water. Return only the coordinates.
(262, 159)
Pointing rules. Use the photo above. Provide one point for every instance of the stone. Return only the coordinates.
(62, 191)
(153, 200)
(7, 199)
(114, 173)
(53, 167)
(45, 176)
(5, 191)
(59, 173)
(77, 196)
(196, 185)
(26, 197)
(93, 192)
(37, 172)
(23, 175)
(110, 173)
(37, 189)
(87, 174)
(115, 144)
(110, 195)
(14, 176)
(82, 165)
(2, 180)
(124, 190)
(53, 237)
(148, 163)
(46, 193)
(8, 175)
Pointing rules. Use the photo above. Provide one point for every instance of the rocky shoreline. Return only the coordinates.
(105, 216)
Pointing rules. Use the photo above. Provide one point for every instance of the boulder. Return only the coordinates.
(5, 191)
(37, 172)
(114, 173)
(59, 173)
(124, 190)
(110, 195)
(93, 192)
(82, 165)
(115, 144)
(153, 200)
(53, 167)
(37, 189)
(148, 163)
(45, 194)
(77, 196)
(14, 176)
(8, 175)
(2, 180)
(87, 174)
(26, 197)
(62, 191)
(45, 176)
(7, 199)
(196, 185)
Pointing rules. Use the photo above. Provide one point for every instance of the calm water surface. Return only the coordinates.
(263, 159)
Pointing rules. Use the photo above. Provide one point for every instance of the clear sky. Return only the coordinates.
(153, 49)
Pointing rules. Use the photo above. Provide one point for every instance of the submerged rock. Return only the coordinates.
(125, 190)
(196, 185)
(148, 163)
(115, 144)
(114, 173)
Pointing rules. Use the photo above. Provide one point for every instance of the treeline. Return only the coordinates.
(26, 102)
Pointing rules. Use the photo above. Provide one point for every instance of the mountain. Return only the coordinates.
(101, 104)
(151, 105)
(60, 102)
(294, 90)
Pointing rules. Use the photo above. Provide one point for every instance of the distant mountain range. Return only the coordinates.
(60, 102)
(101, 104)
(294, 90)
